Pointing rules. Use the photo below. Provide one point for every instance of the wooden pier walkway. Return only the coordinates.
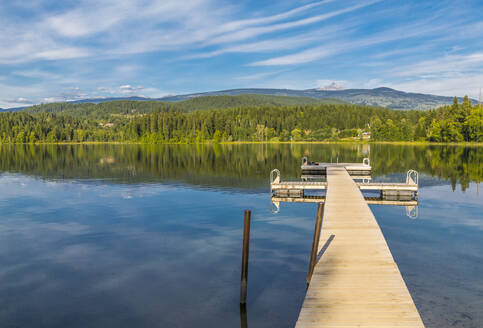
(356, 282)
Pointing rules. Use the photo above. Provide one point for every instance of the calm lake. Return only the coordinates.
(151, 236)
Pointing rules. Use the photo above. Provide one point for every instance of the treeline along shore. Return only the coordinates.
(158, 122)
(230, 165)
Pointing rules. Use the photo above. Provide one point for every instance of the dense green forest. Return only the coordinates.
(155, 122)
(133, 107)
(455, 123)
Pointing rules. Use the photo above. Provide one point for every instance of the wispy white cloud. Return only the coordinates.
(260, 46)
(129, 88)
(256, 31)
(372, 83)
(128, 69)
(8, 94)
(37, 74)
(447, 75)
(257, 76)
(422, 28)
(451, 75)
(460, 85)
(276, 44)
(91, 17)
(331, 84)
(121, 23)
(238, 24)
(20, 101)
(451, 64)
(403, 51)
(100, 45)
(70, 95)
(304, 56)
(22, 44)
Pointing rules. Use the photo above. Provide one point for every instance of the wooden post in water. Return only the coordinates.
(315, 243)
(246, 245)
(243, 316)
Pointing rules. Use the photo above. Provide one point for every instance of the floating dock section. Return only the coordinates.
(309, 167)
(406, 190)
(356, 282)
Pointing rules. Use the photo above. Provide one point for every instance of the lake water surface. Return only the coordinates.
(151, 236)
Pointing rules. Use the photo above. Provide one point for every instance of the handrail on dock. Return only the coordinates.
(410, 185)
(365, 161)
(412, 212)
(277, 178)
(412, 177)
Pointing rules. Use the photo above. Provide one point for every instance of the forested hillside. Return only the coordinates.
(455, 123)
(151, 122)
(380, 97)
(132, 107)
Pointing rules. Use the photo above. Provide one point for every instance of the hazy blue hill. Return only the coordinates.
(135, 106)
(234, 92)
(382, 97)
(389, 98)
(244, 100)
(101, 100)
(4, 110)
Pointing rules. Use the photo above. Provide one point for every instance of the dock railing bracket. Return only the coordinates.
(305, 160)
(412, 177)
(275, 207)
(412, 212)
(274, 179)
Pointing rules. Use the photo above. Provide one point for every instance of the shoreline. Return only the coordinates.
(414, 143)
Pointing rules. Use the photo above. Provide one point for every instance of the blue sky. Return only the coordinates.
(66, 50)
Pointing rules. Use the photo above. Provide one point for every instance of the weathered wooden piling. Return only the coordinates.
(243, 316)
(315, 242)
(245, 251)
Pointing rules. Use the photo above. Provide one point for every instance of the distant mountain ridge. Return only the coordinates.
(128, 107)
(381, 97)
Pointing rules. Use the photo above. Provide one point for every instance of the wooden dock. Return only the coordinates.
(404, 190)
(318, 168)
(356, 282)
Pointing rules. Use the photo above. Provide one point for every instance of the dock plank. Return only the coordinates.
(356, 282)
